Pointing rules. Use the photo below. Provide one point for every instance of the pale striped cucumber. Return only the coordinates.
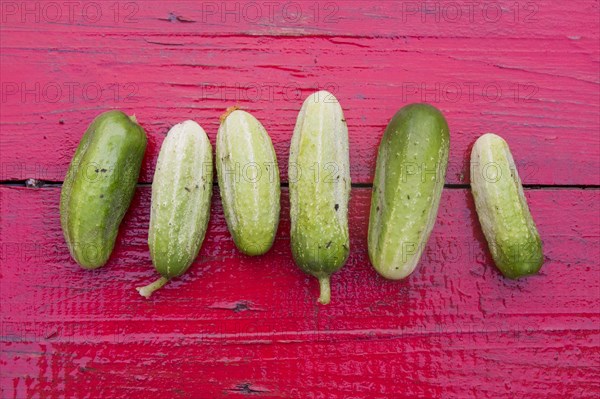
(99, 186)
(319, 179)
(502, 209)
(180, 209)
(248, 181)
(409, 177)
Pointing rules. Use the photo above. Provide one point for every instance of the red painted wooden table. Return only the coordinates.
(235, 326)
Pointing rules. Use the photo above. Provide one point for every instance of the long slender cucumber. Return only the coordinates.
(319, 180)
(99, 186)
(502, 209)
(409, 177)
(180, 206)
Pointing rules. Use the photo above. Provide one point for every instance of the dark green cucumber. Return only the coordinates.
(502, 209)
(409, 177)
(99, 186)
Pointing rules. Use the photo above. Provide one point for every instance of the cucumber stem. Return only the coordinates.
(227, 112)
(325, 295)
(150, 288)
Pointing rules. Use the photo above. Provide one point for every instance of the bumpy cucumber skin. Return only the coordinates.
(248, 181)
(502, 209)
(409, 178)
(319, 186)
(181, 195)
(99, 186)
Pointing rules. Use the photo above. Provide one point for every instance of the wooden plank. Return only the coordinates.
(445, 18)
(54, 84)
(235, 325)
(474, 364)
(238, 326)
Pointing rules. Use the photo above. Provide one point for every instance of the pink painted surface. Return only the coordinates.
(235, 326)
(537, 87)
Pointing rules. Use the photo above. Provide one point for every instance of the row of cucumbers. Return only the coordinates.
(409, 178)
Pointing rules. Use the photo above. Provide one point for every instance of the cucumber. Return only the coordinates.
(319, 184)
(99, 186)
(502, 209)
(409, 177)
(248, 181)
(180, 206)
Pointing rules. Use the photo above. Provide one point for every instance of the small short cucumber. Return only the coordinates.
(409, 178)
(99, 186)
(502, 209)
(180, 207)
(248, 181)
(319, 180)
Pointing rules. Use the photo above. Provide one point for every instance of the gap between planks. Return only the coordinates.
(450, 186)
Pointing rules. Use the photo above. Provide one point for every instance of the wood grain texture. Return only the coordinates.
(235, 325)
(357, 18)
(533, 82)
